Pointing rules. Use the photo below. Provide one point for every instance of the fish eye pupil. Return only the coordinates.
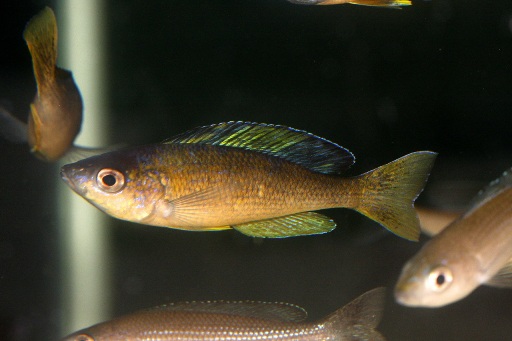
(109, 180)
(440, 280)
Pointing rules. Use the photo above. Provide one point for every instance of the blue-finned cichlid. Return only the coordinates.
(262, 180)
(242, 320)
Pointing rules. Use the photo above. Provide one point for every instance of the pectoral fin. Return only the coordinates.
(300, 224)
(503, 279)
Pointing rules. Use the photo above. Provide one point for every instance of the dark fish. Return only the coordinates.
(474, 249)
(55, 114)
(243, 320)
(380, 3)
(262, 180)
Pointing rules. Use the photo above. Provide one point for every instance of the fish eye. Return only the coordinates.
(110, 180)
(84, 337)
(439, 278)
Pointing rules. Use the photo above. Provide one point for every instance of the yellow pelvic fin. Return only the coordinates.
(389, 192)
(300, 224)
(41, 37)
(380, 3)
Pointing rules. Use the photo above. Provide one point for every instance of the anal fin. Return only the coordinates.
(300, 224)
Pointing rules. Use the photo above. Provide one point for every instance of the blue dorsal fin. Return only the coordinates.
(297, 146)
(256, 309)
(493, 189)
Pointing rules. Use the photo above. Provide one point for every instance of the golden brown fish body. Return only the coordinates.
(380, 3)
(259, 179)
(475, 249)
(243, 320)
(56, 112)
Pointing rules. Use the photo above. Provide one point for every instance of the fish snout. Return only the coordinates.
(73, 177)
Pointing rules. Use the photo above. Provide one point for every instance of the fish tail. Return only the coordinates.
(41, 37)
(382, 3)
(358, 319)
(389, 193)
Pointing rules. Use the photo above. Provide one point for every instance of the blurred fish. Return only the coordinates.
(258, 179)
(56, 113)
(242, 320)
(475, 249)
(381, 3)
(433, 221)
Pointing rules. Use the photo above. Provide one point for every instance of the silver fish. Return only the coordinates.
(475, 249)
(242, 320)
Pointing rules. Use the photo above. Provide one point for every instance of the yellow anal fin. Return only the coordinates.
(300, 224)
(41, 37)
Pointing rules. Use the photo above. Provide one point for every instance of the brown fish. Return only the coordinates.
(475, 249)
(433, 221)
(259, 179)
(242, 320)
(380, 3)
(55, 114)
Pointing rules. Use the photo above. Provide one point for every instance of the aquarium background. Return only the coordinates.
(382, 83)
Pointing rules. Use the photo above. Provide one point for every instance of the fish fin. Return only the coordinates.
(41, 37)
(77, 153)
(390, 192)
(11, 128)
(188, 209)
(256, 309)
(494, 188)
(297, 146)
(300, 224)
(503, 279)
(358, 319)
(381, 3)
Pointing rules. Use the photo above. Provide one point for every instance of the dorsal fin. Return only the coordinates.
(493, 189)
(263, 310)
(300, 147)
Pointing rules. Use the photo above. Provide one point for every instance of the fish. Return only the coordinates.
(242, 320)
(55, 116)
(260, 179)
(433, 220)
(380, 3)
(475, 249)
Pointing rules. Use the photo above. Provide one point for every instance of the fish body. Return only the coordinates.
(380, 3)
(56, 112)
(475, 249)
(241, 320)
(262, 180)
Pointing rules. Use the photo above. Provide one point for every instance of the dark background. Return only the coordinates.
(383, 83)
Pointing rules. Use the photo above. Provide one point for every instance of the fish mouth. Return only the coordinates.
(69, 181)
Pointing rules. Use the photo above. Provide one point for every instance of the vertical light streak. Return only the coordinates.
(85, 256)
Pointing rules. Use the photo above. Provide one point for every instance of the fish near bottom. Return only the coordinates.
(242, 320)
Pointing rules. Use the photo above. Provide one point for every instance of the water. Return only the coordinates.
(382, 83)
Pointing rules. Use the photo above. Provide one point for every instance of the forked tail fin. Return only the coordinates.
(358, 319)
(41, 37)
(390, 192)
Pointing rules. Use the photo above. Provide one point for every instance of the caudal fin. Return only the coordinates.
(41, 37)
(390, 192)
(358, 319)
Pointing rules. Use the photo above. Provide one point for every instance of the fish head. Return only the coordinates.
(101, 332)
(435, 281)
(117, 183)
